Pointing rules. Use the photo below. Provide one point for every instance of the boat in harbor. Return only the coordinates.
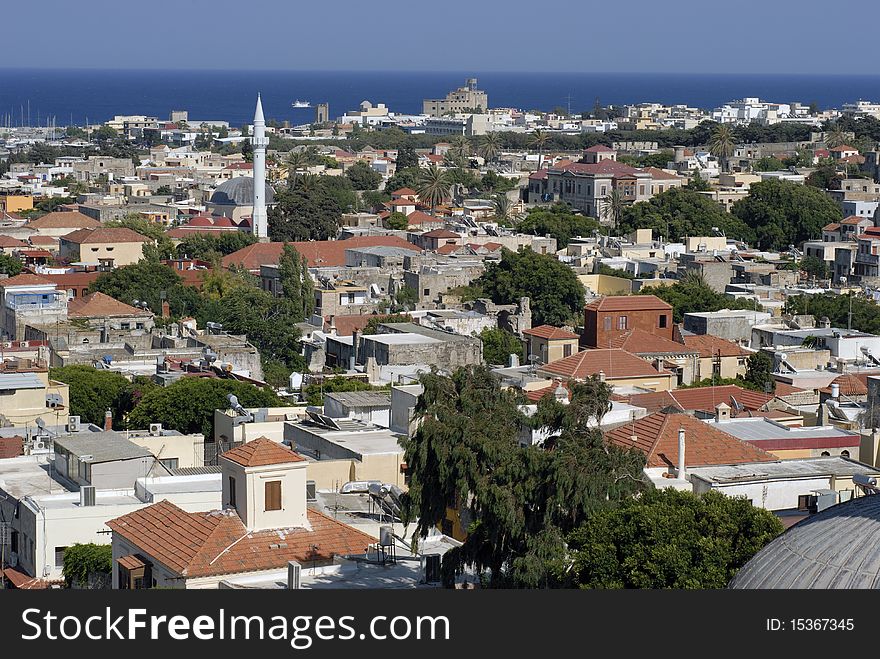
(301, 104)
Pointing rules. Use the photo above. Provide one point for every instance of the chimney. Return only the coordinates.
(166, 309)
(294, 573)
(512, 360)
(658, 364)
(835, 391)
(355, 336)
(601, 376)
(108, 420)
(682, 474)
(722, 412)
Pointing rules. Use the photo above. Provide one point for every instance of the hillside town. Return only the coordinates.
(462, 348)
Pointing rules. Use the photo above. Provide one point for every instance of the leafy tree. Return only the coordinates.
(523, 500)
(363, 177)
(397, 221)
(188, 405)
(208, 246)
(559, 222)
(604, 269)
(296, 282)
(499, 344)
(162, 246)
(782, 213)
(669, 539)
(145, 281)
(815, 267)
(404, 178)
(433, 186)
(556, 293)
(492, 182)
(721, 382)
(825, 177)
(305, 212)
(406, 157)
(692, 294)
(759, 371)
(9, 265)
(374, 199)
(314, 393)
(93, 392)
(82, 560)
(768, 164)
(164, 190)
(407, 298)
(837, 308)
(681, 212)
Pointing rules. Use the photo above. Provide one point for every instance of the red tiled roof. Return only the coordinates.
(539, 175)
(64, 220)
(834, 226)
(22, 581)
(629, 303)
(43, 240)
(104, 235)
(640, 342)
(599, 148)
(714, 346)
(851, 384)
(843, 147)
(447, 249)
(614, 363)
(217, 542)
(99, 305)
(25, 279)
(656, 435)
(418, 217)
(660, 175)
(703, 399)
(11, 447)
(854, 219)
(550, 332)
(404, 191)
(319, 253)
(9, 241)
(261, 452)
(607, 166)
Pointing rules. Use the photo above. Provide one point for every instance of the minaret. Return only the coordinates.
(260, 219)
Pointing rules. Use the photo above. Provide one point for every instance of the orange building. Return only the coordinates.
(610, 317)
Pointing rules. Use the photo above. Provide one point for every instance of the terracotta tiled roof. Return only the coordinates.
(104, 235)
(656, 435)
(854, 219)
(346, 325)
(217, 542)
(613, 362)
(448, 249)
(834, 226)
(99, 305)
(660, 175)
(319, 253)
(629, 303)
(22, 581)
(712, 346)
(539, 175)
(43, 240)
(851, 384)
(842, 148)
(25, 279)
(440, 233)
(9, 241)
(64, 220)
(640, 342)
(599, 148)
(608, 167)
(261, 452)
(11, 447)
(418, 217)
(550, 332)
(404, 192)
(703, 399)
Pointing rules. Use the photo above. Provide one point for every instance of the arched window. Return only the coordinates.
(826, 453)
(844, 453)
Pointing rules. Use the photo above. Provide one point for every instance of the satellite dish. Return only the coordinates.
(233, 400)
(40, 423)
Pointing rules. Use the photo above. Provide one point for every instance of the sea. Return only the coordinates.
(35, 96)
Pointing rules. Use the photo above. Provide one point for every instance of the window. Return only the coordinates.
(59, 556)
(844, 454)
(825, 454)
(427, 292)
(231, 491)
(566, 350)
(607, 323)
(663, 320)
(273, 495)
(170, 463)
(621, 322)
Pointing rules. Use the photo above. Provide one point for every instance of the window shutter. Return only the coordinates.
(273, 495)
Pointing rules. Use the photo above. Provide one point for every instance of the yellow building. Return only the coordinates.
(550, 343)
(107, 247)
(16, 203)
(29, 395)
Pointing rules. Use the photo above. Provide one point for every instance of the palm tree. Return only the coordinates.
(612, 207)
(722, 144)
(835, 137)
(539, 140)
(503, 208)
(433, 186)
(296, 160)
(460, 147)
(490, 146)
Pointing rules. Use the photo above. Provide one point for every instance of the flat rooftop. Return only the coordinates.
(102, 446)
(760, 428)
(783, 469)
(404, 338)
(29, 475)
(356, 436)
(361, 398)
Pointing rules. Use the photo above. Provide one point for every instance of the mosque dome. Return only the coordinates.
(836, 548)
(239, 191)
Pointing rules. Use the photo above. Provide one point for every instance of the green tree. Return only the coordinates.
(815, 267)
(406, 158)
(208, 246)
(146, 281)
(782, 213)
(363, 177)
(759, 371)
(668, 539)
(522, 501)
(433, 186)
(372, 326)
(612, 207)
(296, 282)
(404, 178)
(307, 211)
(679, 212)
(697, 183)
(406, 298)
(93, 392)
(164, 190)
(162, 246)
(490, 146)
(557, 221)
(556, 293)
(314, 393)
(722, 144)
(768, 164)
(499, 344)
(825, 177)
(837, 308)
(539, 141)
(397, 221)
(188, 405)
(82, 560)
(9, 265)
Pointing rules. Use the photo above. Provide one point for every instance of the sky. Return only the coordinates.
(638, 36)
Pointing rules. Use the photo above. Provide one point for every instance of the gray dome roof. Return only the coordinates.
(837, 548)
(239, 191)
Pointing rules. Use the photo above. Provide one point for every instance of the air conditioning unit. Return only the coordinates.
(41, 445)
(294, 575)
(73, 424)
(311, 491)
(808, 503)
(87, 495)
(155, 429)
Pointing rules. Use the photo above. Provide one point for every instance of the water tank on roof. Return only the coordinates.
(107, 359)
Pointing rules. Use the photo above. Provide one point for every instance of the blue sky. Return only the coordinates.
(748, 36)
